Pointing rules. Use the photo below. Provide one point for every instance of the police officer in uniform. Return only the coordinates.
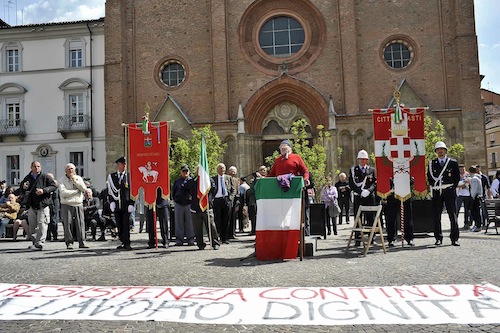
(120, 202)
(443, 176)
(363, 183)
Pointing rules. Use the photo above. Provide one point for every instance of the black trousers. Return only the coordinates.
(162, 216)
(252, 215)
(344, 204)
(392, 210)
(475, 212)
(123, 223)
(221, 215)
(448, 198)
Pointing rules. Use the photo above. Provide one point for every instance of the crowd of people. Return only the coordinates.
(41, 201)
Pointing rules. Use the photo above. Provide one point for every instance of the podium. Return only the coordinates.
(279, 214)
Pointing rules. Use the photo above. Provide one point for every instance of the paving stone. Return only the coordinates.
(234, 265)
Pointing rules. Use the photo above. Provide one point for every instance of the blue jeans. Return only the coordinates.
(3, 222)
(466, 200)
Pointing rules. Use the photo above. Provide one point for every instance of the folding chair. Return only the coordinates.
(367, 232)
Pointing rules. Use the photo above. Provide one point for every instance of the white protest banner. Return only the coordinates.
(419, 304)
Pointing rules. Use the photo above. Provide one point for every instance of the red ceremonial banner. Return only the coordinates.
(148, 161)
(400, 150)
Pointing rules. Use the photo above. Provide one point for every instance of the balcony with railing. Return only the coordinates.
(73, 124)
(12, 128)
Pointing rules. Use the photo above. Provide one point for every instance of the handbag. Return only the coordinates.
(334, 209)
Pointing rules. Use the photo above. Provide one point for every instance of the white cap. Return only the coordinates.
(362, 154)
(440, 144)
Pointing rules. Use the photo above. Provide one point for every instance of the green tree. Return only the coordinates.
(434, 132)
(188, 151)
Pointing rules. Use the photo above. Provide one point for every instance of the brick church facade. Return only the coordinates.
(250, 68)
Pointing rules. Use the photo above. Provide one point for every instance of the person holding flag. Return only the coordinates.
(121, 202)
(203, 191)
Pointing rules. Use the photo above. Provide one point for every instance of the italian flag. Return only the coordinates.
(278, 219)
(146, 125)
(203, 177)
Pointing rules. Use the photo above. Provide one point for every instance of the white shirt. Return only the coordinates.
(220, 183)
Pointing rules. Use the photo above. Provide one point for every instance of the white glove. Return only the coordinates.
(112, 206)
(365, 193)
(130, 208)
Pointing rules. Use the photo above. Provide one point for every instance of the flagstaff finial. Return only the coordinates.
(397, 95)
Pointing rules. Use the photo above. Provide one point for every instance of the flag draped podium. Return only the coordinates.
(148, 160)
(278, 219)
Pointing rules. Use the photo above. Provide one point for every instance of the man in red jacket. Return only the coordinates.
(288, 163)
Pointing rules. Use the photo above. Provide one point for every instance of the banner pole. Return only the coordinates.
(402, 224)
(209, 227)
(154, 225)
(302, 224)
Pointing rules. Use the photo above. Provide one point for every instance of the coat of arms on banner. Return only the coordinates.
(399, 150)
(148, 159)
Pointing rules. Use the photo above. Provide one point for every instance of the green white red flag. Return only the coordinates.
(203, 177)
(146, 125)
(278, 219)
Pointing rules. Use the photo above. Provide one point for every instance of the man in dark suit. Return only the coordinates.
(204, 218)
(363, 183)
(120, 202)
(443, 176)
(222, 201)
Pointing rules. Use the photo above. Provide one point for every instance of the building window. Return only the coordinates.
(278, 36)
(76, 157)
(76, 108)
(12, 60)
(13, 108)
(13, 171)
(12, 56)
(75, 52)
(398, 54)
(75, 58)
(492, 137)
(281, 37)
(173, 74)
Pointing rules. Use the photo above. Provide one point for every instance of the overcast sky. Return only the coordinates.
(44, 11)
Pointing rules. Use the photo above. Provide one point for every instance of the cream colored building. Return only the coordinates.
(52, 99)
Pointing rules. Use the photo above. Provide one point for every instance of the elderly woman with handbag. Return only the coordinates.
(329, 195)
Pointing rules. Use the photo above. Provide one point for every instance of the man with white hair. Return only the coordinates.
(71, 191)
(222, 202)
(443, 176)
(235, 200)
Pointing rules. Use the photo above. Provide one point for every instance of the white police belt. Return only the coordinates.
(442, 187)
